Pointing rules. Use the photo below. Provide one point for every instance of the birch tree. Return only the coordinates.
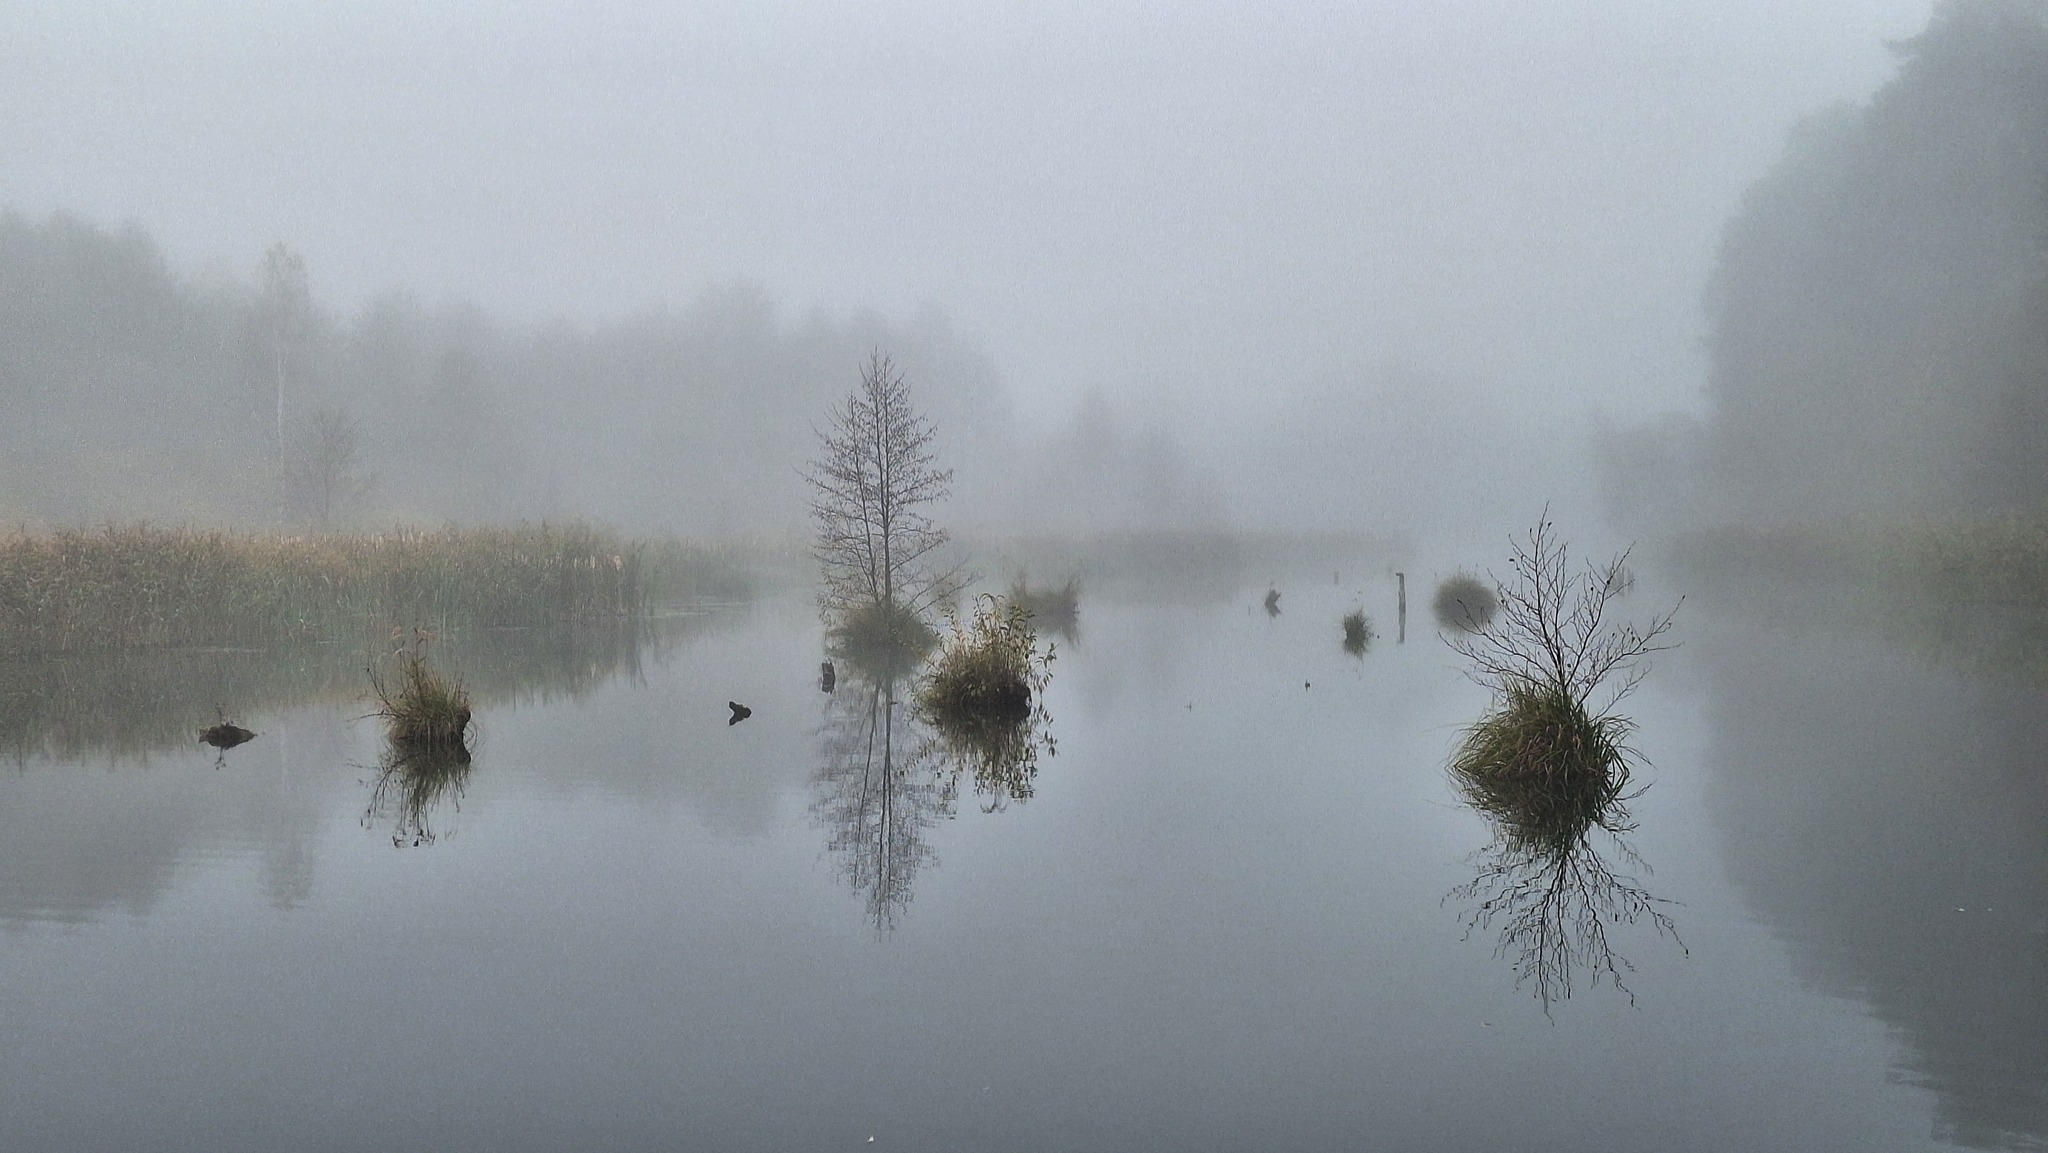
(284, 314)
(872, 484)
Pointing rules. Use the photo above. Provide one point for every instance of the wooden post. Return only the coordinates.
(1401, 603)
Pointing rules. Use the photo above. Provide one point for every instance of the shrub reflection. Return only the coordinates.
(891, 771)
(1548, 888)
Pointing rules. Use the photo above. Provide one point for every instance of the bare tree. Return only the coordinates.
(323, 473)
(1553, 631)
(284, 313)
(874, 479)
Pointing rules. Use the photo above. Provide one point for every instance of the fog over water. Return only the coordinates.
(1213, 221)
(560, 750)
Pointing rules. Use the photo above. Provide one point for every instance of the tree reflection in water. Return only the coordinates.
(1551, 892)
(412, 780)
(878, 793)
(889, 775)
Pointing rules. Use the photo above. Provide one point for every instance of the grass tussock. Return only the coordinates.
(136, 586)
(1465, 603)
(983, 697)
(1542, 767)
(1358, 632)
(421, 705)
(987, 671)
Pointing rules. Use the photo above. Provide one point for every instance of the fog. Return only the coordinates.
(1360, 267)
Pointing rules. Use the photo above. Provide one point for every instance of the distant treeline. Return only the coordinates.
(131, 392)
(1879, 315)
(120, 588)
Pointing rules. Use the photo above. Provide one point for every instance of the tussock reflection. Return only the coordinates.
(889, 773)
(414, 778)
(999, 757)
(1549, 891)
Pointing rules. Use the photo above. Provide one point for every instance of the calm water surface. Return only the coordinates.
(1224, 919)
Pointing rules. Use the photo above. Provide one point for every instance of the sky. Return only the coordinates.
(1196, 207)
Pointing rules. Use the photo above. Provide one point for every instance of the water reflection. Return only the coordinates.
(889, 774)
(77, 843)
(124, 706)
(1888, 819)
(879, 792)
(1550, 890)
(413, 780)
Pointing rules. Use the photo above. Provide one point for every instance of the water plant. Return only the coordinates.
(1358, 632)
(988, 669)
(983, 697)
(1549, 762)
(1465, 603)
(420, 705)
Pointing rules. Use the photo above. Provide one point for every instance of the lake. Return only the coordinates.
(1228, 915)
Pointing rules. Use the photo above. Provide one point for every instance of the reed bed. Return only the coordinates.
(138, 586)
(132, 704)
(1992, 561)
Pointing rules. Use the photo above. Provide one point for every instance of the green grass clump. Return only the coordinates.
(1465, 603)
(1542, 766)
(984, 698)
(987, 671)
(1358, 632)
(421, 706)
